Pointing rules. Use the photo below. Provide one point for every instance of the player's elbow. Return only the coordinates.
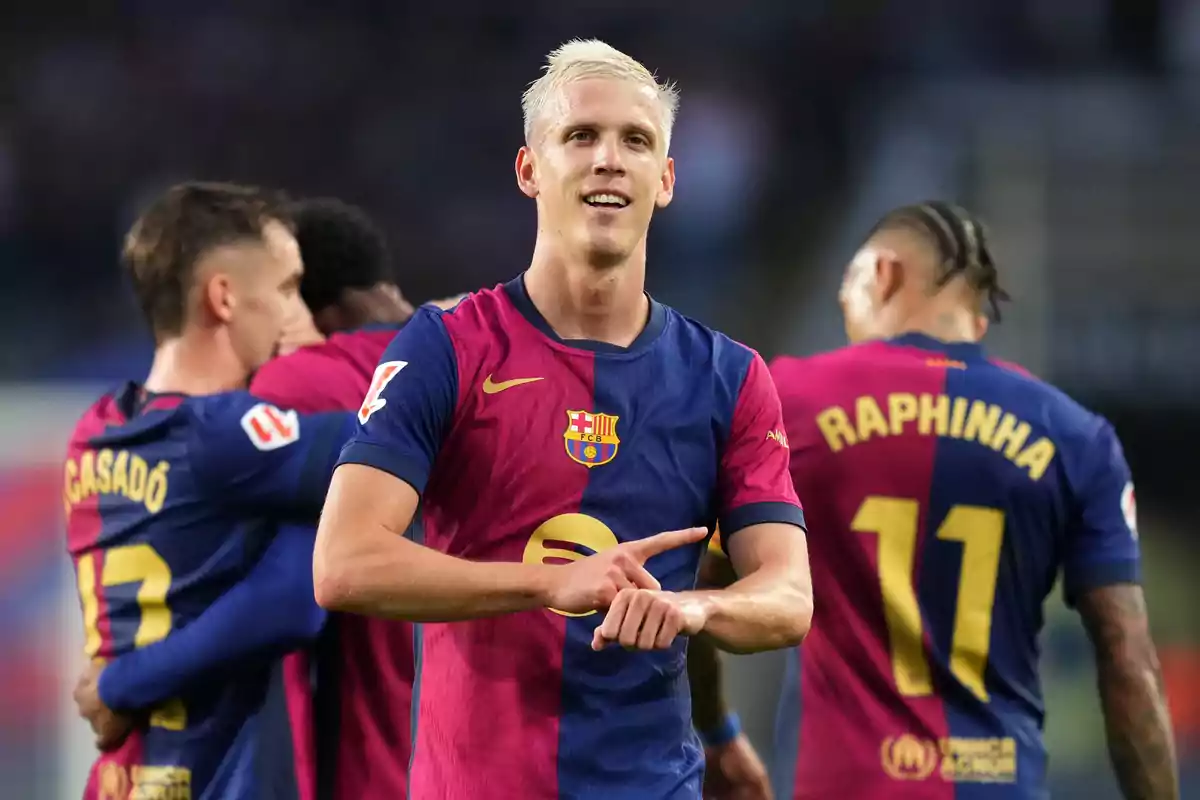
(793, 602)
(782, 622)
(332, 586)
(797, 619)
(328, 589)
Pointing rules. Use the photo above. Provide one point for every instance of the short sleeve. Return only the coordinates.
(1102, 539)
(249, 453)
(754, 483)
(410, 403)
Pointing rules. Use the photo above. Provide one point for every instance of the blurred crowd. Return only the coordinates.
(412, 111)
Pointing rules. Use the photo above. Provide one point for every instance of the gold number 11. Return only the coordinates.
(981, 530)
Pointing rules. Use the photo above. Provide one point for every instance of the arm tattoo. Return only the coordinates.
(1137, 724)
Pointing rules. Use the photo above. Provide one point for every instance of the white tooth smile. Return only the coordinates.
(606, 200)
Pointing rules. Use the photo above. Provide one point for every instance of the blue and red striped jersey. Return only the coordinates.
(170, 500)
(945, 492)
(526, 447)
(352, 739)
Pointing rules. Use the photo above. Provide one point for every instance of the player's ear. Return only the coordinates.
(889, 275)
(526, 172)
(667, 190)
(219, 299)
(981, 325)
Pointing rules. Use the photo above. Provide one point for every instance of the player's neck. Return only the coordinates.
(193, 364)
(947, 325)
(579, 301)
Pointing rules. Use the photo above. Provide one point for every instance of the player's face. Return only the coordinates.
(598, 167)
(267, 293)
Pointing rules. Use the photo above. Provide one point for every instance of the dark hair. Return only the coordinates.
(342, 249)
(169, 238)
(961, 242)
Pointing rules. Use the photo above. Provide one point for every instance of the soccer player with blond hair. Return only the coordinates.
(549, 426)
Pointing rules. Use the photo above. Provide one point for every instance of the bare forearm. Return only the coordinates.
(1140, 742)
(766, 610)
(1136, 720)
(388, 576)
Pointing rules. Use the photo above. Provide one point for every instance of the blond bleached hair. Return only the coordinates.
(592, 58)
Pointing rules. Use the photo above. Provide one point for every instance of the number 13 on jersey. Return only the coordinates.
(895, 522)
(132, 564)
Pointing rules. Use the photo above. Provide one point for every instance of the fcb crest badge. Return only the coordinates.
(591, 439)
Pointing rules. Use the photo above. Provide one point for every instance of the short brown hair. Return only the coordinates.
(186, 222)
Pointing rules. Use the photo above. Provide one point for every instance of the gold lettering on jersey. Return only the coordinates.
(986, 424)
(108, 472)
(954, 759)
(979, 760)
(161, 783)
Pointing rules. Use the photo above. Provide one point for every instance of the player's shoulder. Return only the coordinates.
(305, 362)
(829, 370)
(231, 422)
(219, 408)
(477, 316)
(371, 340)
(106, 414)
(128, 411)
(1062, 413)
(230, 410)
(697, 343)
(346, 358)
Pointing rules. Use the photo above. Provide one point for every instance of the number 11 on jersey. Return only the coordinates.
(894, 521)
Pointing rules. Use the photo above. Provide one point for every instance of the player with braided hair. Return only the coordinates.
(960, 245)
(946, 492)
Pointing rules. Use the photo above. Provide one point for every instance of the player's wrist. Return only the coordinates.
(724, 732)
(697, 607)
(539, 584)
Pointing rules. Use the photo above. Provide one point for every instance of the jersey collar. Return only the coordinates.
(961, 351)
(519, 295)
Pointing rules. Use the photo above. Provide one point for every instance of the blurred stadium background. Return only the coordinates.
(1071, 127)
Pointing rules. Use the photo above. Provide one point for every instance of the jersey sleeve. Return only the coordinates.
(248, 453)
(410, 403)
(268, 613)
(754, 483)
(1102, 540)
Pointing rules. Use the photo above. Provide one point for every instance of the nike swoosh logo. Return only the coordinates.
(495, 388)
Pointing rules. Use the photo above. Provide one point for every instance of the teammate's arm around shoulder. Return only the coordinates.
(1101, 579)
(363, 564)
(249, 454)
(762, 529)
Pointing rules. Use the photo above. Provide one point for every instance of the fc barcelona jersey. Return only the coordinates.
(947, 493)
(170, 500)
(351, 741)
(527, 447)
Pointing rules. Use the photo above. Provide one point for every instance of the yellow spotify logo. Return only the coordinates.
(563, 537)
